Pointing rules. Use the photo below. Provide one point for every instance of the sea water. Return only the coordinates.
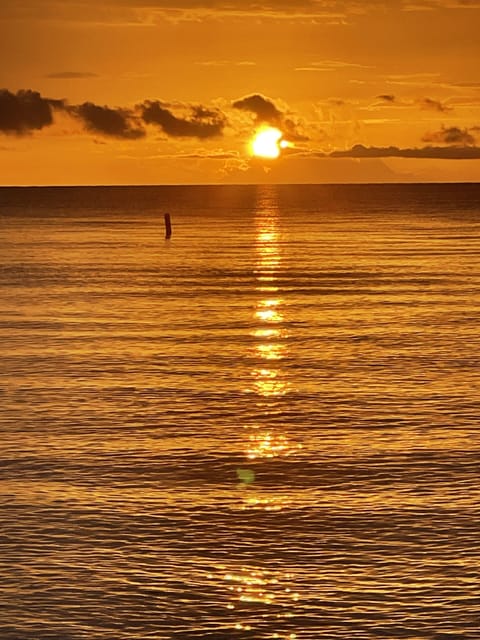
(265, 427)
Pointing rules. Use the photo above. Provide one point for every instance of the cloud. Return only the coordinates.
(431, 5)
(226, 63)
(266, 112)
(208, 155)
(202, 154)
(450, 135)
(389, 99)
(25, 111)
(202, 123)
(427, 104)
(413, 79)
(264, 109)
(332, 65)
(465, 85)
(433, 81)
(445, 153)
(116, 123)
(71, 75)
(136, 13)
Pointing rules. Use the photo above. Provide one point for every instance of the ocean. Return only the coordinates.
(265, 427)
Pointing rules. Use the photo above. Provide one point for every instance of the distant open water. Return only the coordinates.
(266, 427)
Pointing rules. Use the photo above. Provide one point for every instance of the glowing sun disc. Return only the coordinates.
(267, 143)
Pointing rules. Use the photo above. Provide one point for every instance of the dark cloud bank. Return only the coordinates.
(26, 111)
(445, 153)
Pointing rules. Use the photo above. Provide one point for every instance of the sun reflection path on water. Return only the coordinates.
(269, 379)
(266, 441)
(271, 445)
(272, 591)
(264, 599)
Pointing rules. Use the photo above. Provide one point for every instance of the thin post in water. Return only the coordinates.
(168, 226)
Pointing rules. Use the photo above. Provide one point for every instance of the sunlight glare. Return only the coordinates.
(267, 143)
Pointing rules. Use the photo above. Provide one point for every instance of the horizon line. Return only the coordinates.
(237, 184)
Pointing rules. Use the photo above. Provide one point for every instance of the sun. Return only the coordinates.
(268, 142)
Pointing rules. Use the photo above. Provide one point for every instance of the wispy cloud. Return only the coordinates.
(331, 65)
(430, 82)
(71, 75)
(208, 155)
(424, 103)
(432, 5)
(445, 153)
(413, 79)
(226, 63)
(145, 12)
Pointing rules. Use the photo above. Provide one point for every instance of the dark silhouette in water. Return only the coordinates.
(168, 226)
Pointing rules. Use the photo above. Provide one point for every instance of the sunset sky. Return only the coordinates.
(155, 92)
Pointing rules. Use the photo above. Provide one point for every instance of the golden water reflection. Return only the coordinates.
(269, 380)
(267, 383)
(271, 351)
(273, 590)
(266, 503)
(268, 315)
(268, 444)
(269, 375)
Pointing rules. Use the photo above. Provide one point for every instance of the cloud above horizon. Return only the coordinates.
(202, 123)
(265, 111)
(116, 123)
(424, 103)
(263, 108)
(27, 111)
(71, 75)
(429, 104)
(442, 153)
(451, 136)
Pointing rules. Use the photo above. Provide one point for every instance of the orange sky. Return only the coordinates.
(153, 92)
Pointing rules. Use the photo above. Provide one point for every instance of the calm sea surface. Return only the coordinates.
(265, 427)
